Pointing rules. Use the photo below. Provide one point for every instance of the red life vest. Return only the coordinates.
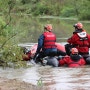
(83, 43)
(80, 41)
(49, 40)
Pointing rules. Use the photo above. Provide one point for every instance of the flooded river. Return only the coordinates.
(60, 78)
(55, 78)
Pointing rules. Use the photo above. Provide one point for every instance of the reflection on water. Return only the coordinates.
(57, 78)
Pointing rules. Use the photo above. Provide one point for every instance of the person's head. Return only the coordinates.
(78, 25)
(48, 27)
(74, 51)
(74, 55)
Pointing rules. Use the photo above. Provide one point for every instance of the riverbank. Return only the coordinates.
(13, 84)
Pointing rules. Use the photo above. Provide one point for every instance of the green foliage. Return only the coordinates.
(2, 24)
(68, 12)
(84, 11)
(64, 8)
(40, 82)
(39, 7)
(85, 16)
(6, 32)
(12, 55)
(6, 5)
(79, 8)
(41, 10)
(29, 1)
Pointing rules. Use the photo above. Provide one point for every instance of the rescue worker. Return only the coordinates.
(74, 60)
(80, 40)
(46, 45)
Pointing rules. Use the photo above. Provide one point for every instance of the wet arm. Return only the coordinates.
(40, 43)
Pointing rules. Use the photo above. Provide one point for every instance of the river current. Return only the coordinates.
(55, 78)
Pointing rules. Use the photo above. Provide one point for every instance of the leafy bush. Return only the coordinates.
(28, 1)
(84, 16)
(41, 9)
(12, 56)
(67, 12)
(2, 23)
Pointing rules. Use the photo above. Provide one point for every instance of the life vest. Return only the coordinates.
(83, 43)
(49, 40)
(83, 38)
(82, 35)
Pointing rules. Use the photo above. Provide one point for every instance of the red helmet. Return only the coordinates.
(48, 27)
(74, 51)
(79, 25)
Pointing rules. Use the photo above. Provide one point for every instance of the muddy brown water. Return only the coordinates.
(55, 78)
(59, 78)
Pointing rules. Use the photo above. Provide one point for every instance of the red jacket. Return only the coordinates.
(71, 62)
(49, 40)
(81, 41)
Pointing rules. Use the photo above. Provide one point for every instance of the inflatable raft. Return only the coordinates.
(29, 54)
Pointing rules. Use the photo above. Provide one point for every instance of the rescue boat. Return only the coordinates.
(29, 54)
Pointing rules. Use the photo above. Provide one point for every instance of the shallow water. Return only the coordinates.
(55, 78)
